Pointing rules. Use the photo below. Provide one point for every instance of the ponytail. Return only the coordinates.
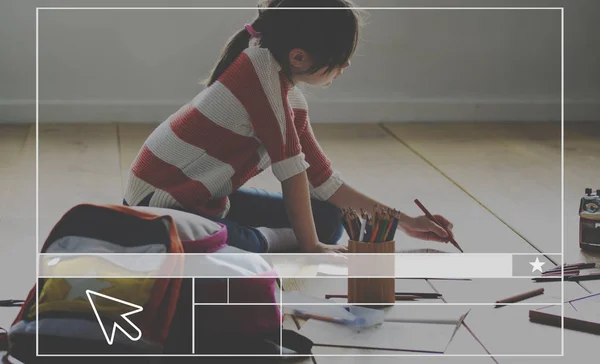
(235, 46)
(330, 37)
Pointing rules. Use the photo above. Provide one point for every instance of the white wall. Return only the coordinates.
(412, 65)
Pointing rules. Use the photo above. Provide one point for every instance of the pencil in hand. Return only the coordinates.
(432, 218)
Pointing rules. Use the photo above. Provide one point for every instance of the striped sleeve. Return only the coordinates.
(324, 181)
(255, 79)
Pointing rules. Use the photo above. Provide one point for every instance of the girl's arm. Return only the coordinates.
(296, 196)
(329, 187)
(346, 197)
(418, 227)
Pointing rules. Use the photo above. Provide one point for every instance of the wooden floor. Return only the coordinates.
(500, 184)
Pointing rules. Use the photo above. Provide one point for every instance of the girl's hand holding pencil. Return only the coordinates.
(423, 228)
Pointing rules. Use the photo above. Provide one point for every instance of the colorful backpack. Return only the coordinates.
(133, 314)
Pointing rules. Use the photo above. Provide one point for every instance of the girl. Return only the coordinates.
(251, 116)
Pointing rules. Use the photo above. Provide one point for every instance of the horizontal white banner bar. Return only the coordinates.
(231, 265)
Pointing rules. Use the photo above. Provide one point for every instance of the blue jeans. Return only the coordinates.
(254, 207)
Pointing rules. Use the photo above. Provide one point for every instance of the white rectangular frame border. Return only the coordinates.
(562, 120)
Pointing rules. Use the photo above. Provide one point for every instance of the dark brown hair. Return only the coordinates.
(328, 35)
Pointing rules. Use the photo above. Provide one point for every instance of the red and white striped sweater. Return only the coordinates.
(248, 120)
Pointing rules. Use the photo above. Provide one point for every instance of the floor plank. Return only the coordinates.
(17, 262)
(89, 163)
(77, 164)
(17, 229)
(391, 173)
(507, 330)
(504, 166)
(577, 345)
(12, 142)
(408, 177)
(582, 154)
(362, 356)
(483, 158)
(492, 290)
(14, 139)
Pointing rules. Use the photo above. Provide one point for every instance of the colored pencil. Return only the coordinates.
(308, 315)
(394, 226)
(375, 231)
(552, 278)
(386, 236)
(520, 297)
(585, 277)
(382, 228)
(369, 231)
(357, 223)
(569, 277)
(581, 265)
(571, 267)
(362, 229)
(399, 297)
(558, 273)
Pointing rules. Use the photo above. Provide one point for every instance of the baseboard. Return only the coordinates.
(321, 111)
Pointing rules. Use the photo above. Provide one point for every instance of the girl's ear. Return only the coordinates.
(300, 60)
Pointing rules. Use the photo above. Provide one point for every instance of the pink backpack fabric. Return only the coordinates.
(259, 285)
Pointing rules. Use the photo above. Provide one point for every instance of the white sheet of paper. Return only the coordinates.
(590, 309)
(296, 270)
(332, 270)
(432, 338)
(293, 301)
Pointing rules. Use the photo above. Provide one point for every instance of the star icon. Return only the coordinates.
(537, 265)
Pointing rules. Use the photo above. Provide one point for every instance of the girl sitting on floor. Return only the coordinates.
(252, 115)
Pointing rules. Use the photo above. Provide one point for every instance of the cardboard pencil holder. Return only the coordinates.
(372, 290)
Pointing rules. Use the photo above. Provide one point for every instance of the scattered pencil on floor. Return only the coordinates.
(399, 295)
(520, 297)
(569, 272)
(567, 268)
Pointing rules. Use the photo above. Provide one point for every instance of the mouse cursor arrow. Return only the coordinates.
(116, 326)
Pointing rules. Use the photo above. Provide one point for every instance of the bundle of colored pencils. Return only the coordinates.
(367, 228)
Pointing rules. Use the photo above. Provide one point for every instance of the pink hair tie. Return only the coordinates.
(253, 33)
